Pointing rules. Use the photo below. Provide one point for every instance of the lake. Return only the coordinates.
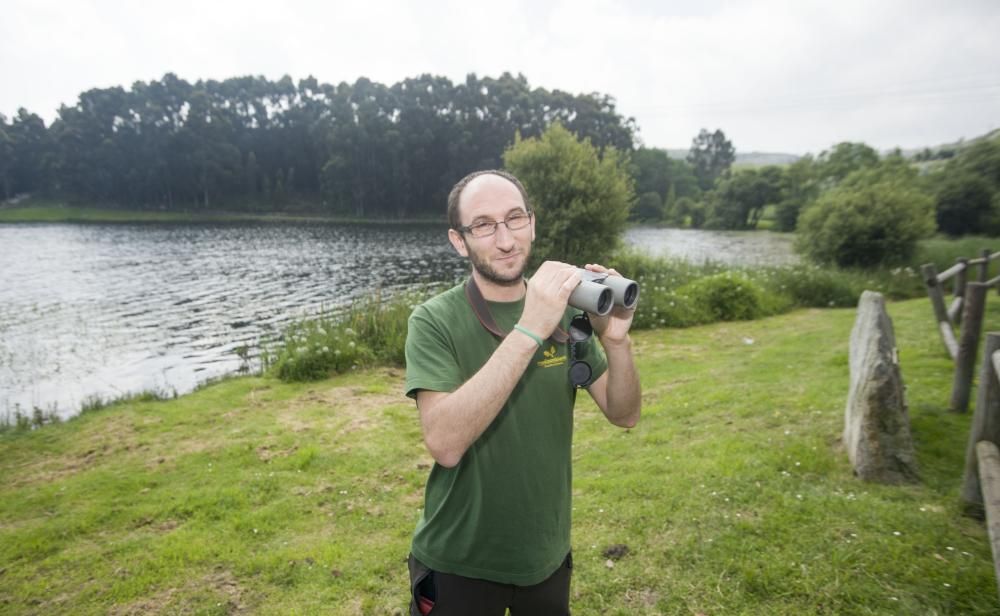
(99, 311)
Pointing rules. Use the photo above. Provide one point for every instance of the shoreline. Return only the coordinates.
(57, 212)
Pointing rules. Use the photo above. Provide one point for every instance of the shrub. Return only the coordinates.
(726, 297)
(381, 325)
(314, 349)
(814, 287)
(872, 218)
(371, 331)
(649, 207)
(963, 203)
(664, 307)
(581, 197)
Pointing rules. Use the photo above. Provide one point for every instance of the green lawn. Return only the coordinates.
(733, 494)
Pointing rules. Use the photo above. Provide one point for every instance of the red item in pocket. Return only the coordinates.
(425, 605)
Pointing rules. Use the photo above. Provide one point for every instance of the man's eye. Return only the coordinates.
(481, 226)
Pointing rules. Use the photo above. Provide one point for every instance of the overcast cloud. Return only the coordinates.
(775, 75)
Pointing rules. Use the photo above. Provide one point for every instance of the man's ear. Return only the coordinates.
(458, 242)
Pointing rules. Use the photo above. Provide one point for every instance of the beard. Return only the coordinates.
(487, 271)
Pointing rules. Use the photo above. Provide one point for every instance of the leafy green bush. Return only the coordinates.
(314, 349)
(581, 197)
(875, 217)
(649, 207)
(726, 297)
(964, 203)
(371, 331)
(811, 286)
(661, 306)
(381, 325)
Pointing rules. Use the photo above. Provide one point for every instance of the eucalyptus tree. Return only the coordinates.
(6, 158)
(33, 153)
(711, 155)
(364, 148)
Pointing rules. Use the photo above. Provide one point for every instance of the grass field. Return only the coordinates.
(733, 494)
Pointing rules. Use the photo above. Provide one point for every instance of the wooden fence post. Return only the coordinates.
(985, 420)
(955, 311)
(984, 267)
(989, 469)
(975, 301)
(934, 291)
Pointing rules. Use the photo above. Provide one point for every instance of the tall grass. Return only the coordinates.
(21, 420)
(944, 252)
(674, 293)
(38, 417)
(372, 331)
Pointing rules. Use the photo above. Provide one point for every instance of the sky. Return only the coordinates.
(775, 75)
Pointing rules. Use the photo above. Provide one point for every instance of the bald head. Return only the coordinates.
(480, 184)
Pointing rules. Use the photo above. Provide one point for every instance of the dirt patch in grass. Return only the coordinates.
(118, 439)
(641, 598)
(266, 453)
(350, 409)
(190, 598)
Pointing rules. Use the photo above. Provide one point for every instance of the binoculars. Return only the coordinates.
(598, 293)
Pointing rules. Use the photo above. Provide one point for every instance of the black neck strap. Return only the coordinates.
(482, 310)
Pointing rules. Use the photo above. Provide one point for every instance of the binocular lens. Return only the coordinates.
(598, 293)
(605, 302)
(631, 295)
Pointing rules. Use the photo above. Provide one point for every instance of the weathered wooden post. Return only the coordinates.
(934, 291)
(989, 470)
(975, 301)
(955, 310)
(993, 257)
(985, 421)
(984, 267)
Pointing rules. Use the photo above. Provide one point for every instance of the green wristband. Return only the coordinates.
(529, 334)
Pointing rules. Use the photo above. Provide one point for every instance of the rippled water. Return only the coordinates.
(102, 310)
(98, 311)
(728, 247)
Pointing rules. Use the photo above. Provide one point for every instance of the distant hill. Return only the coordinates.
(955, 147)
(760, 159)
(747, 159)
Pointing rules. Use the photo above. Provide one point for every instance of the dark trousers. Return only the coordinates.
(454, 595)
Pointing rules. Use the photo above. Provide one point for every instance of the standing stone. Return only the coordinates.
(877, 425)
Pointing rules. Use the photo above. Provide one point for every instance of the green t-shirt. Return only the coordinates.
(503, 512)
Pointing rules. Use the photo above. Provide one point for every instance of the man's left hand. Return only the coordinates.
(613, 328)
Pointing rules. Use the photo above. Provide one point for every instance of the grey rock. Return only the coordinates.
(877, 424)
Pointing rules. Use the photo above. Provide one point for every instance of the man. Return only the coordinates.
(497, 413)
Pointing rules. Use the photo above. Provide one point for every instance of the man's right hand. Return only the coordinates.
(548, 293)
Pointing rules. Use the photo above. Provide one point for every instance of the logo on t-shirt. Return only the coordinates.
(552, 359)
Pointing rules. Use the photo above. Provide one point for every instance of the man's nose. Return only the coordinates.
(504, 237)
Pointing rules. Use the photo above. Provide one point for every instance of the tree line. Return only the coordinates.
(363, 149)
(368, 150)
(706, 191)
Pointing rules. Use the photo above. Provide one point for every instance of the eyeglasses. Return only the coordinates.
(486, 228)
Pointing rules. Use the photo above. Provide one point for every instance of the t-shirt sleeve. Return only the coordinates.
(430, 357)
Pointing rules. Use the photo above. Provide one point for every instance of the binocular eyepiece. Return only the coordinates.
(598, 293)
